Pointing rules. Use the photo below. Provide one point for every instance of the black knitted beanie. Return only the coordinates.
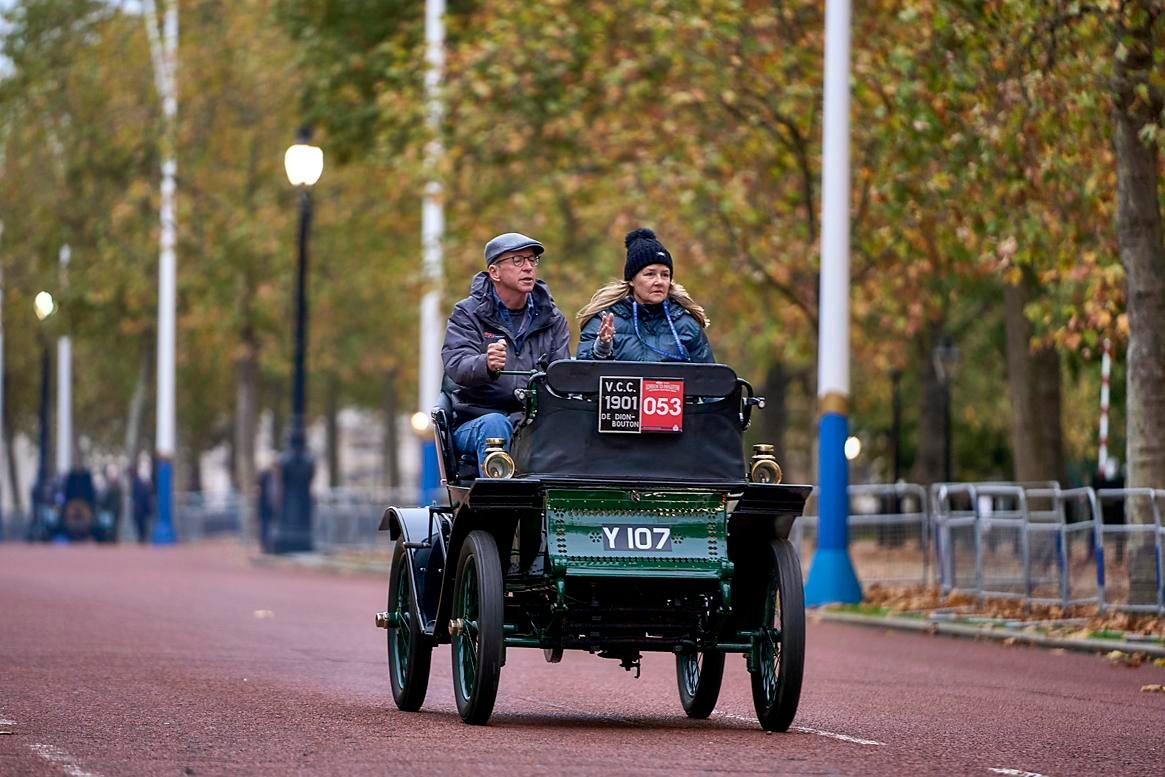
(643, 249)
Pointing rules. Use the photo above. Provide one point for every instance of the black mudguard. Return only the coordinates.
(421, 532)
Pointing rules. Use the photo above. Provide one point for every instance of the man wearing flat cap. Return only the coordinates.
(508, 322)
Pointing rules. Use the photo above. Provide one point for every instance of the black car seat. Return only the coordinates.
(454, 468)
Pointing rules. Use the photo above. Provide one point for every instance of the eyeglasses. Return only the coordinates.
(520, 261)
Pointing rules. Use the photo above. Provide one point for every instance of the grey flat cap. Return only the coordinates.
(510, 241)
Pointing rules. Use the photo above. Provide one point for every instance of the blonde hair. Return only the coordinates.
(610, 293)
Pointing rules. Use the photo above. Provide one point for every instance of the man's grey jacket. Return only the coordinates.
(473, 325)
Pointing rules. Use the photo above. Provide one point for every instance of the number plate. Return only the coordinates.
(636, 537)
(662, 406)
(633, 405)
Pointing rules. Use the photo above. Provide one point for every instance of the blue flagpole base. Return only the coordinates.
(163, 531)
(430, 486)
(832, 579)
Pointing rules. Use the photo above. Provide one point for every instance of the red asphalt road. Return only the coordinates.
(194, 661)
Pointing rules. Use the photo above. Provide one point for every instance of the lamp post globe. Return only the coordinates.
(304, 165)
(43, 305)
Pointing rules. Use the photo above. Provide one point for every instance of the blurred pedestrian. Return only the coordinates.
(270, 503)
(109, 504)
(646, 317)
(141, 497)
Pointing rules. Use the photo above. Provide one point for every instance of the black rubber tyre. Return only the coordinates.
(776, 676)
(477, 644)
(410, 651)
(552, 655)
(699, 675)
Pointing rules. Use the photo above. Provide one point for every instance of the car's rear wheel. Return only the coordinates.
(476, 627)
(410, 650)
(778, 659)
(699, 675)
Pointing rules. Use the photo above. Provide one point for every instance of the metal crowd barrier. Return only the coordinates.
(889, 533)
(1032, 542)
(340, 517)
(348, 518)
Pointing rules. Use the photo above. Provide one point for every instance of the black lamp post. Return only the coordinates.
(42, 489)
(304, 164)
(946, 359)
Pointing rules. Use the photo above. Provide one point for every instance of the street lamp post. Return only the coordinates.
(946, 359)
(304, 164)
(42, 497)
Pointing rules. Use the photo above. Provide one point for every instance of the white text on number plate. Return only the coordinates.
(633, 537)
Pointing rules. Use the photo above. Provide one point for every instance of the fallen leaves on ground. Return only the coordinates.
(898, 600)
(1132, 660)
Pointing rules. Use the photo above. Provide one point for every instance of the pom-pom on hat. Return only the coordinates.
(643, 249)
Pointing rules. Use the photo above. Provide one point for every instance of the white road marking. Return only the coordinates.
(842, 737)
(1015, 772)
(56, 755)
(7, 722)
(815, 731)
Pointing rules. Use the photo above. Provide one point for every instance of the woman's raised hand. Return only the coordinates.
(607, 327)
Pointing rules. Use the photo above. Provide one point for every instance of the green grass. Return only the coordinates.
(1106, 634)
(861, 609)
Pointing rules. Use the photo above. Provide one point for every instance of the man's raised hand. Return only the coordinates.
(495, 356)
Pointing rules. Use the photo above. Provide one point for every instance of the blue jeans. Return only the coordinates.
(470, 437)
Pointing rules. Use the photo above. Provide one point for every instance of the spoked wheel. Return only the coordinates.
(699, 676)
(779, 661)
(476, 627)
(410, 651)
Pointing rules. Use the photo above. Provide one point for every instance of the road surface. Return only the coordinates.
(192, 660)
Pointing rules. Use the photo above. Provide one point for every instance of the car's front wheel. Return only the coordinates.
(778, 658)
(410, 650)
(476, 627)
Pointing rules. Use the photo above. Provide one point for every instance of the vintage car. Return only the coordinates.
(624, 519)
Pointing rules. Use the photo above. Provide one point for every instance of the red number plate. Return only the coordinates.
(662, 406)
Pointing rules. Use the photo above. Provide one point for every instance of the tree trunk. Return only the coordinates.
(1033, 380)
(332, 426)
(930, 464)
(246, 413)
(391, 459)
(10, 449)
(1142, 252)
(774, 418)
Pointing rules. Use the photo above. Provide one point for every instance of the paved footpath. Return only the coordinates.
(193, 661)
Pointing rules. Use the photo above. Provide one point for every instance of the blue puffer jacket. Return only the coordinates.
(474, 324)
(654, 341)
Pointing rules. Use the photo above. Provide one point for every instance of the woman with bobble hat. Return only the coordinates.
(646, 317)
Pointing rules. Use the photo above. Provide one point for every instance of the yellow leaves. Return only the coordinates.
(1122, 325)
(940, 182)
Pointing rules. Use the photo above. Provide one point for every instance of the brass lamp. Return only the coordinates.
(497, 464)
(763, 467)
